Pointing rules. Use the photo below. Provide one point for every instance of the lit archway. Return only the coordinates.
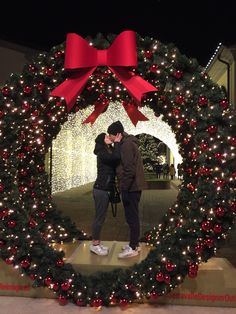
(75, 143)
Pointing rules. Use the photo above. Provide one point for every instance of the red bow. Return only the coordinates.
(82, 60)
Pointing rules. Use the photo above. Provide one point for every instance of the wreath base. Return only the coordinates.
(210, 288)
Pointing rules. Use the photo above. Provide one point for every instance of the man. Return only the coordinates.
(130, 175)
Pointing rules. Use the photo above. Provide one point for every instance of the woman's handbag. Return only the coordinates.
(114, 198)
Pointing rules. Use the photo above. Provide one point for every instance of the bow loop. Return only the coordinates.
(122, 52)
(79, 54)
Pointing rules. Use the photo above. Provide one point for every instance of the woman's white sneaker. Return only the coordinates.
(128, 252)
(98, 249)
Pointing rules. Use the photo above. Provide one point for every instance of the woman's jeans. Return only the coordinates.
(101, 199)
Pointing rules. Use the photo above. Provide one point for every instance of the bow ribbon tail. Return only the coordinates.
(135, 85)
(71, 88)
(100, 107)
(134, 114)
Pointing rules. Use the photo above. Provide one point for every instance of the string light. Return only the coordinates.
(213, 56)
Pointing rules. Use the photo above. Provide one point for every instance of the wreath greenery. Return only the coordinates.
(194, 227)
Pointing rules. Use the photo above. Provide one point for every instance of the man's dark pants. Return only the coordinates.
(131, 201)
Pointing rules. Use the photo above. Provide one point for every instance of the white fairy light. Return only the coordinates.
(74, 162)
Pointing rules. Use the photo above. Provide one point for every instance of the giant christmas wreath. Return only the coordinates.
(194, 227)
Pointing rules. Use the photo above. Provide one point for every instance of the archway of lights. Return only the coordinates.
(75, 143)
(200, 117)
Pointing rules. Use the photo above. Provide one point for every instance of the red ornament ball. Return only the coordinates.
(224, 103)
(178, 74)
(169, 266)
(203, 146)
(33, 277)
(209, 242)
(193, 267)
(13, 250)
(25, 263)
(167, 279)
(160, 277)
(80, 302)
(49, 72)
(212, 129)
(27, 90)
(153, 295)
(96, 302)
(6, 91)
(233, 206)
(192, 274)
(153, 68)
(232, 141)
(60, 263)
(206, 225)
(65, 285)
(148, 54)
(176, 112)
(217, 228)
(219, 211)
(189, 171)
(2, 187)
(181, 121)
(198, 248)
(40, 86)
(179, 99)
(2, 242)
(218, 156)
(26, 106)
(48, 280)
(202, 101)
(124, 302)
(220, 183)
(8, 261)
(32, 223)
(5, 155)
(58, 54)
(11, 224)
(62, 300)
(193, 123)
(42, 214)
(191, 187)
(4, 213)
(56, 286)
(32, 68)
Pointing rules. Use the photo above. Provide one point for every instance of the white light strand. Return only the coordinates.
(213, 56)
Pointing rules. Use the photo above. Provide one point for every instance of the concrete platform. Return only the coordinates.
(87, 262)
(215, 284)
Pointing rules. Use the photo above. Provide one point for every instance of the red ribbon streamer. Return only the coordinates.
(82, 60)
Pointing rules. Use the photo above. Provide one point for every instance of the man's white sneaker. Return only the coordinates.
(97, 249)
(138, 248)
(128, 252)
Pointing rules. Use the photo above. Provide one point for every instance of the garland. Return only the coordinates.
(194, 227)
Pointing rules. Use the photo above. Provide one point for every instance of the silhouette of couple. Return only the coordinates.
(118, 157)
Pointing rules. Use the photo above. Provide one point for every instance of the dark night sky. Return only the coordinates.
(195, 27)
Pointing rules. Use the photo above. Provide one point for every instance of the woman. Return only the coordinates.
(108, 158)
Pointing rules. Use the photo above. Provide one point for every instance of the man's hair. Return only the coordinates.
(115, 127)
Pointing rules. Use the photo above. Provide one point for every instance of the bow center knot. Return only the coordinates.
(102, 57)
